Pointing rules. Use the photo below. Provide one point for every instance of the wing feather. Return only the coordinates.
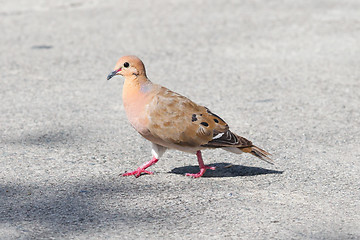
(229, 139)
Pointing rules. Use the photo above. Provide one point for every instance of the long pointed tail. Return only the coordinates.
(258, 152)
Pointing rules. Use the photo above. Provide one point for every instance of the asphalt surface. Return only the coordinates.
(284, 74)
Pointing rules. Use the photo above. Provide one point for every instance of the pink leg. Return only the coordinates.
(201, 166)
(141, 169)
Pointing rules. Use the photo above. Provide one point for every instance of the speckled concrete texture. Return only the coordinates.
(284, 74)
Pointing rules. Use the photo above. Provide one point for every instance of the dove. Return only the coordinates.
(172, 121)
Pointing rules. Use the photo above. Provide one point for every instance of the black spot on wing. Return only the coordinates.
(215, 120)
(204, 124)
(193, 118)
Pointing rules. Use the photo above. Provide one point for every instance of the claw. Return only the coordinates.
(199, 174)
(141, 169)
(137, 172)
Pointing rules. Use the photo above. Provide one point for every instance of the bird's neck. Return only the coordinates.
(135, 86)
(136, 95)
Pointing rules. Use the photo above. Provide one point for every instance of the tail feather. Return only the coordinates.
(258, 152)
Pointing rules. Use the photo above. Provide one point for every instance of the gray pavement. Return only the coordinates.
(284, 74)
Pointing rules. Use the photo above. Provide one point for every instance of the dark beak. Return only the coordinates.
(113, 73)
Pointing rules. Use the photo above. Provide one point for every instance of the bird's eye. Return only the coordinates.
(126, 64)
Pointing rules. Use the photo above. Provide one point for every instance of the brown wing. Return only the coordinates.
(176, 119)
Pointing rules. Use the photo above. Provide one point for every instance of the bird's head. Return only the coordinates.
(128, 66)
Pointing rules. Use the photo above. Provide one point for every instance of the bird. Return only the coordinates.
(172, 121)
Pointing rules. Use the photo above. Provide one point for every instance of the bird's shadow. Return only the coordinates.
(226, 170)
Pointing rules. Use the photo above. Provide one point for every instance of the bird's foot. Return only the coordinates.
(141, 169)
(137, 172)
(199, 174)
